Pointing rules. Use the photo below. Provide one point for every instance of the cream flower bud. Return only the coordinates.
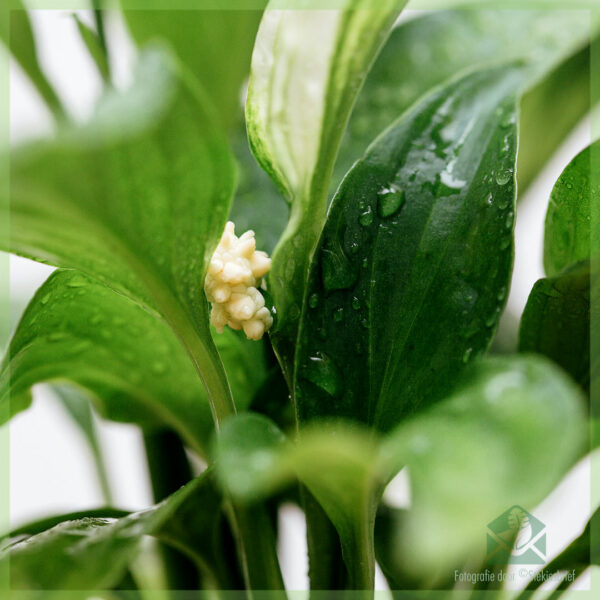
(234, 276)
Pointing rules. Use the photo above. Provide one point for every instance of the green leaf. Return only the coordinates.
(395, 306)
(93, 43)
(430, 49)
(35, 527)
(569, 237)
(137, 198)
(307, 68)
(556, 322)
(506, 436)
(93, 553)
(552, 108)
(17, 35)
(216, 46)
(76, 329)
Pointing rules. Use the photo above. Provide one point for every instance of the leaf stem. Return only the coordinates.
(359, 553)
(257, 549)
(169, 470)
(257, 545)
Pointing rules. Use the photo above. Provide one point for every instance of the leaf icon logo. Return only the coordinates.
(518, 521)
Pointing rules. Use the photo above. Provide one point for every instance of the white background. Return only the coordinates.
(51, 469)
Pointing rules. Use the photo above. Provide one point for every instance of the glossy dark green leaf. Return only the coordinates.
(137, 198)
(216, 45)
(426, 51)
(410, 275)
(556, 322)
(569, 235)
(307, 69)
(505, 437)
(76, 329)
(93, 553)
(17, 35)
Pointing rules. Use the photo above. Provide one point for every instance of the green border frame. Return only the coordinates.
(7, 5)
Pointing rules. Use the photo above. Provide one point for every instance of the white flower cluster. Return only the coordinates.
(234, 275)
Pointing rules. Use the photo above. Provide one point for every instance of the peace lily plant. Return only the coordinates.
(379, 162)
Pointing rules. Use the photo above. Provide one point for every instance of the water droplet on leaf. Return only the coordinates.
(390, 200)
(503, 177)
(467, 355)
(337, 271)
(366, 218)
(76, 282)
(56, 336)
(313, 300)
(159, 367)
(322, 372)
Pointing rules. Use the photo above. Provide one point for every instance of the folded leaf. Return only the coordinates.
(76, 329)
(216, 45)
(505, 437)
(427, 51)
(307, 68)
(395, 307)
(137, 198)
(94, 552)
(569, 235)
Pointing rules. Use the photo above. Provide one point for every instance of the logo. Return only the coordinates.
(516, 537)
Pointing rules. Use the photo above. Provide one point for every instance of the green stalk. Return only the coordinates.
(256, 542)
(359, 551)
(169, 470)
(257, 549)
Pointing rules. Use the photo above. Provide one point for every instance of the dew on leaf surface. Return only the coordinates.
(322, 372)
(76, 282)
(390, 200)
(366, 217)
(338, 273)
(467, 355)
(503, 177)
